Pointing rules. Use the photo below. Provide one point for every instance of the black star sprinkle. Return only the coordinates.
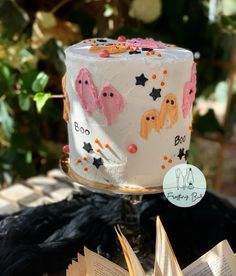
(156, 93)
(147, 49)
(181, 153)
(87, 147)
(97, 162)
(134, 52)
(140, 80)
(101, 40)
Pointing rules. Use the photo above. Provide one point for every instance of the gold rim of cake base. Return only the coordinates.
(105, 187)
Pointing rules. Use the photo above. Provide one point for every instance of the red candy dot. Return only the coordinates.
(104, 54)
(121, 38)
(132, 148)
(66, 149)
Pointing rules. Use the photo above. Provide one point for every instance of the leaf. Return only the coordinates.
(6, 78)
(24, 101)
(40, 82)
(28, 157)
(41, 98)
(6, 120)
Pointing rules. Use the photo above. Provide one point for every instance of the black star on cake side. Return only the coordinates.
(141, 80)
(156, 93)
(181, 153)
(87, 147)
(134, 52)
(97, 162)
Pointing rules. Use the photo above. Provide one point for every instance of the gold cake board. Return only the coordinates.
(105, 187)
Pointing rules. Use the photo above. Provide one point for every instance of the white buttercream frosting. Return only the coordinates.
(167, 68)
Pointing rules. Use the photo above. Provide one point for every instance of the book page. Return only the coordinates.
(97, 265)
(220, 260)
(166, 263)
(134, 266)
(77, 268)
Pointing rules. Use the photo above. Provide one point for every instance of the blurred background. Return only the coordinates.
(33, 36)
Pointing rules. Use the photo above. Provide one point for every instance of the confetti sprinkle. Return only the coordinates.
(66, 148)
(121, 38)
(104, 54)
(132, 148)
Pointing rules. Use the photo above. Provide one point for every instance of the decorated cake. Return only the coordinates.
(128, 108)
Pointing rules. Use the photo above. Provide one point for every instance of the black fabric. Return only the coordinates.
(46, 238)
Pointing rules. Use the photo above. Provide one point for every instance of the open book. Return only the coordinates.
(219, 261)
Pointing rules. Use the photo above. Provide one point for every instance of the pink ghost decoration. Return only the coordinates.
(111, 103)
(189, 92)
(144, 43)
(86, 91)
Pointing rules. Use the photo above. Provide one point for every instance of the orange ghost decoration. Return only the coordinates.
(169, 111)
(66, 104)
(112, 49)
(150, 120)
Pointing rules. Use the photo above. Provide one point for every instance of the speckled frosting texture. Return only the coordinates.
(129, 110)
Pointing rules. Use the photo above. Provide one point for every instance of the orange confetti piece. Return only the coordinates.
(78, 161)
(170, 161)
(164, 72)
(162, 83)
(85, 158)
(165, 157)
(85, 169)
(107, 146)
(154, 76)
(163, 167)
(98, 150)
(159, 55)
(153, 53)
(147, 54)
(96, 141)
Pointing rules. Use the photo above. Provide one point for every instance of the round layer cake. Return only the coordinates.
(128, 107)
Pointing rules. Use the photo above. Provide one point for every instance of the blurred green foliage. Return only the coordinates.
(31, 126)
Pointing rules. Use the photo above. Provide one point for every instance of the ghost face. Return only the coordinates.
(169, 111)
(189, 92)
(86, 91)
(150, 121)
(111, 103)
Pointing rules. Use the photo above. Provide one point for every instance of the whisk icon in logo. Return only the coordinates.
(184, 185)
